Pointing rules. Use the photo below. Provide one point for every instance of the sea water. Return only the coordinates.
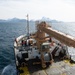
(8, 32)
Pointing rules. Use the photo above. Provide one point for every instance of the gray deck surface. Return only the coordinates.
(57, 68)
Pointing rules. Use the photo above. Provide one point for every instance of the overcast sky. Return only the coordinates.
(61, 10)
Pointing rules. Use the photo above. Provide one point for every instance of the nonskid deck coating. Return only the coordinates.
(57, 68)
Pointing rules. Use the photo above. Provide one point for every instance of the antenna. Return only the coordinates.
(27, 25)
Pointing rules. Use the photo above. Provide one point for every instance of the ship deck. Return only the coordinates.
(56, 68)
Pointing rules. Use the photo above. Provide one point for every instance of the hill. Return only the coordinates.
(24, 20)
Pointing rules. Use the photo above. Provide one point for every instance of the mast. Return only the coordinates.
(27, 25)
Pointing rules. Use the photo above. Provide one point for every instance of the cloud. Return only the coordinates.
(54, 9)
(71, 2)
(15, 0)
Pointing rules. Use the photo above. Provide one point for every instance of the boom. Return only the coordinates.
(62, 37)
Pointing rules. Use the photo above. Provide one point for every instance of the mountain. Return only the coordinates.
(49, 20)
(16, 20)
(24, 20)
(13, 20)
(45, 19)
(2, 20)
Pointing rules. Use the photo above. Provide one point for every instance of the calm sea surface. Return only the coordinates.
(9, 31)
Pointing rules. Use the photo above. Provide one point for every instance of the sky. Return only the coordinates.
(61, 10)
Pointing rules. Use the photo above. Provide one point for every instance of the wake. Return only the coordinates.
(9, 70)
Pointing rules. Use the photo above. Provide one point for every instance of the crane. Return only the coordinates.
(62, 37)
(42, 29)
